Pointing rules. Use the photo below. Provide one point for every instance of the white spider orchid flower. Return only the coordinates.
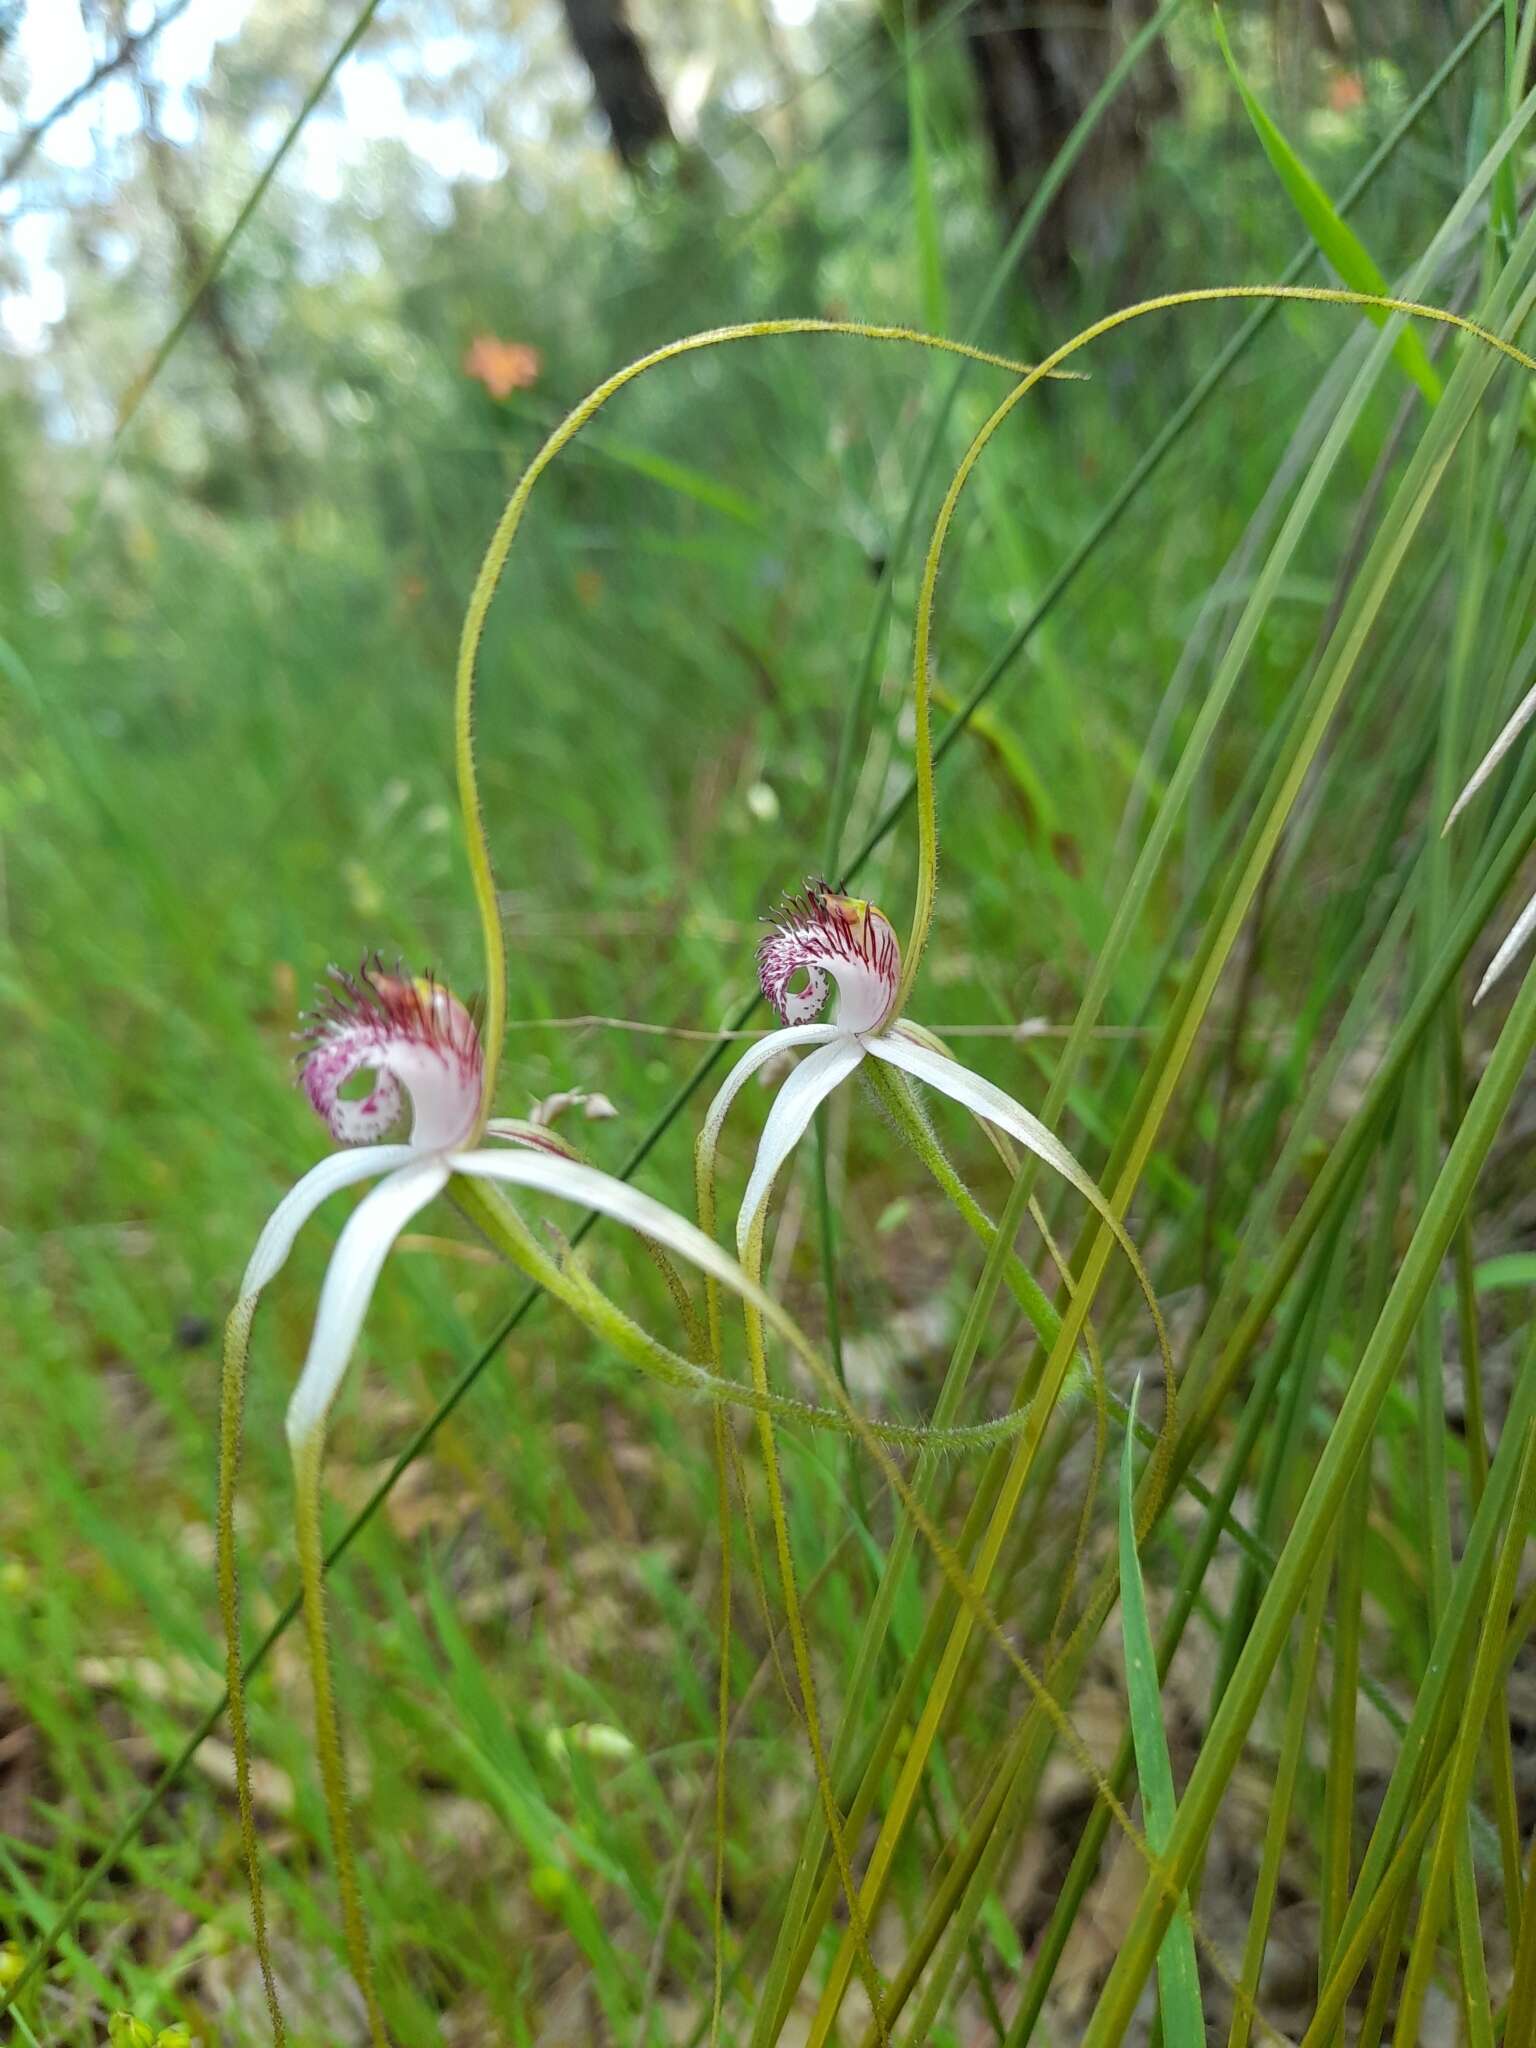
(823, 941)
(1525, 923)
(421, 1047)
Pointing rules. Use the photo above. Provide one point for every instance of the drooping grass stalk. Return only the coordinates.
(237, 1347)
(308, 1460)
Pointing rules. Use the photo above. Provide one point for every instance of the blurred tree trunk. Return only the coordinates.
(1037, 66)
(622, 79)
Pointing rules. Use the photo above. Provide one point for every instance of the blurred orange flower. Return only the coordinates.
(502, 366)
(1346, 90)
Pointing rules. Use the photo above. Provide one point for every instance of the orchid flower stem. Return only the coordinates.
(237, 1346)
(308, 1458)
(753, 1259)
(704, 1171)
(723, 1709)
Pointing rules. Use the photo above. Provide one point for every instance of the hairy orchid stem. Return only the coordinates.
(494, 564)
(237, 1348)
(723, 1728)
(752, 1255)
(308, 1458)
(922, 638)
(497, 1217)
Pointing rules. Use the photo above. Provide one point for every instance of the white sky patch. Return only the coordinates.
(366, 105)
(59, 56)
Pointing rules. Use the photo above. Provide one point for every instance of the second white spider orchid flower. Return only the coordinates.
(823, 941)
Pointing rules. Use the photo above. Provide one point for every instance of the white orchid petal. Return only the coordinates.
(339, 1170)
(1524, 712)
(793, 1107)
(590, 1188)
(754, 1058)
(349, 1283)
(984, 1100)
(1523, 926)
(923, 1063)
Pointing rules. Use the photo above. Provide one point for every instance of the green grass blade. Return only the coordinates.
(1337, 241)
(925, 213)
(1346, 1445)
(1178, 1975)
